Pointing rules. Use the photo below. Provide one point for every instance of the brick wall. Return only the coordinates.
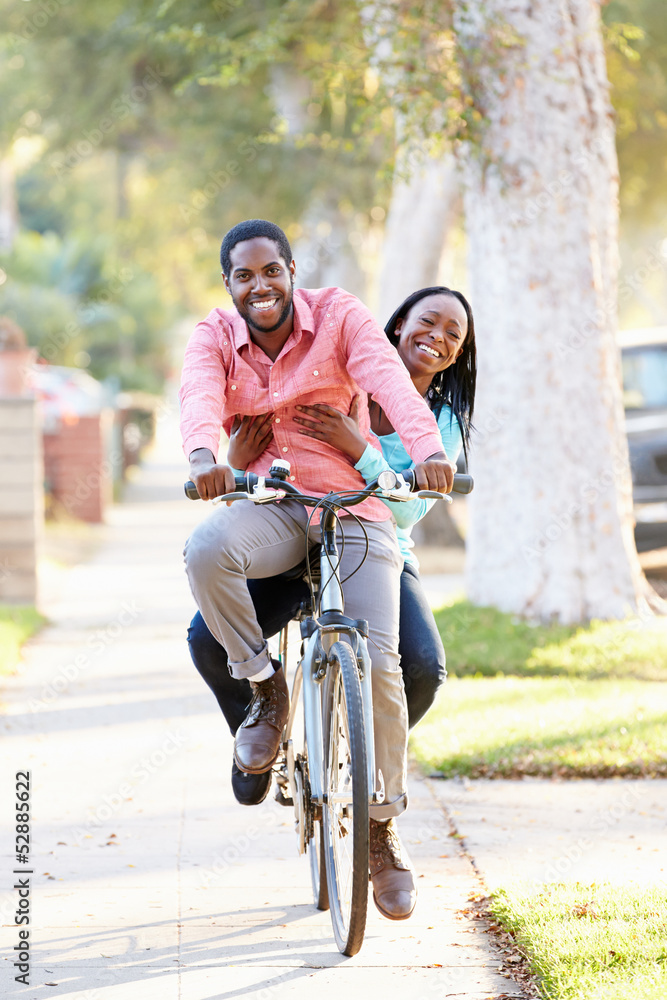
(21, 499)
(76, 474)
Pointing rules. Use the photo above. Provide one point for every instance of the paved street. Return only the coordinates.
(150, 881)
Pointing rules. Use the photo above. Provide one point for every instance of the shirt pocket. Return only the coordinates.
(240, 397)
(312, 380)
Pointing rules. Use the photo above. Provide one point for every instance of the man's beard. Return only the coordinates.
(245, 313)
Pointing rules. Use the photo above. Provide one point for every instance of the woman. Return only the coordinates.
(434, 333)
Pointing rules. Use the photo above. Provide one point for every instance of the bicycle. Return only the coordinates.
(331, 777)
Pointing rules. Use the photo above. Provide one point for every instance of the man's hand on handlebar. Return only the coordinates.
(211, 480)
(436, 473)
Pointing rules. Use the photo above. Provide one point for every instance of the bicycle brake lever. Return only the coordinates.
(404, 493)
(231, 496)
(433, 495)
(263, 494)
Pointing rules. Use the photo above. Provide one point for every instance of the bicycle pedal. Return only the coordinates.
(281, 798)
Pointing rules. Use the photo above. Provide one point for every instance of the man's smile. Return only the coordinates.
(263, 305)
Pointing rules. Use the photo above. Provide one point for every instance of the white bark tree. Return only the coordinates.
(425, 198)
(551, 531)
(421, 212)
(323, 253)
(8, 210)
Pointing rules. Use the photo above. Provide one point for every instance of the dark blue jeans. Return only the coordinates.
(276, 601)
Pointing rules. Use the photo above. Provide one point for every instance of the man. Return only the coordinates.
(278, 350)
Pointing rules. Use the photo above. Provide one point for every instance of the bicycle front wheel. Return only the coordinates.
(345, 810)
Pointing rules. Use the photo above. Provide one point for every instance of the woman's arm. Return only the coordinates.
(406, 512)
(372, 463)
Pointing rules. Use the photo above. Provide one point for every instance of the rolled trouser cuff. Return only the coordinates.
(388, 810)
(251, 667)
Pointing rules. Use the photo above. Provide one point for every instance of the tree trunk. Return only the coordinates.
(551, 531)
(423, 205)
(420, 215)
(9, 221)
(323, 253)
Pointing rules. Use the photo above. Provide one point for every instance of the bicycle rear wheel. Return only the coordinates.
(345, 810)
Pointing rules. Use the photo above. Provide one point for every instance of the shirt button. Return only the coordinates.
(233, 387)
(316, 372)
(277, 420)
(275, 394)
(285, 449)
(292, 478)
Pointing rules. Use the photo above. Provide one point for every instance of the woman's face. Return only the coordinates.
(431, 336)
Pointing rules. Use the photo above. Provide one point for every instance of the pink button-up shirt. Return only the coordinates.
(335, 348)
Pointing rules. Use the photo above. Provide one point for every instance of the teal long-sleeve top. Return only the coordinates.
(394, 456)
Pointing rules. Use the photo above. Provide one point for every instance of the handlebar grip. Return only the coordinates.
(463, 483)
(241, 484)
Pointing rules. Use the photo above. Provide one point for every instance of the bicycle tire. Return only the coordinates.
(318, 874)
(345, 816)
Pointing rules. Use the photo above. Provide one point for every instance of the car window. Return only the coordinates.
(645, 377)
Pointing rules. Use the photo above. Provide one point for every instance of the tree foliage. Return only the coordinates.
(161, 124)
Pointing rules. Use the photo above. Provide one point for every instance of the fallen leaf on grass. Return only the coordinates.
(585, 910)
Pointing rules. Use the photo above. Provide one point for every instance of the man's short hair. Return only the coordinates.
(249, 230)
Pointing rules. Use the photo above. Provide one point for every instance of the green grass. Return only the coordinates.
(488, 642)
(597, 942)
(582, 701)
(507, 727)
(17, 623)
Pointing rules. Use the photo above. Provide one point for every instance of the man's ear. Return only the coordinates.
(292, 267)
(226, 282)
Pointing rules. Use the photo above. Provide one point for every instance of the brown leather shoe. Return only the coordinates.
(258, 737)
(394, 891)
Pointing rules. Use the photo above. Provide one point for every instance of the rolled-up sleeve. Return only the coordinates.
(376, 367)
(202, 393)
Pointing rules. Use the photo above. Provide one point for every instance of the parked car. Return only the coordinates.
(644, 359)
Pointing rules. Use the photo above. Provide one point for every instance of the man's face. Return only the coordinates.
(260, 284)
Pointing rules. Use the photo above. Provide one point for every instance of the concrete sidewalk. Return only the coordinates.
(539, 831)
(150, 881)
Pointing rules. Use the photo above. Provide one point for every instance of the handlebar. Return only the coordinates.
(463, 484)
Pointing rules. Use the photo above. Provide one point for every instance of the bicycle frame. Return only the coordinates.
(311, 671)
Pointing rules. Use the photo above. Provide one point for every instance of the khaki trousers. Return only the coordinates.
(249, 541)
